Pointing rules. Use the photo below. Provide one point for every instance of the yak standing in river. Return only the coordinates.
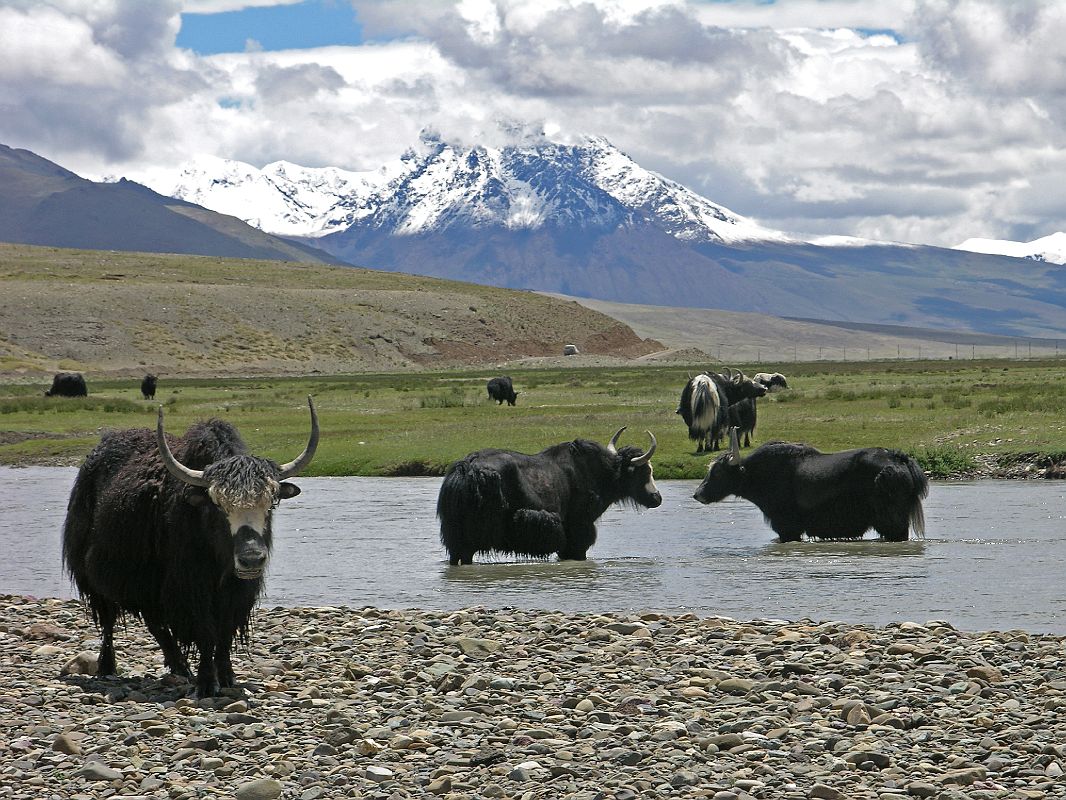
(177, 534)
(535, 505)
(824, 495)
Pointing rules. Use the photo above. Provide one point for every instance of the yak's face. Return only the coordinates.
(245, 490)
(750, 388)
(640, 485)
(722, 480)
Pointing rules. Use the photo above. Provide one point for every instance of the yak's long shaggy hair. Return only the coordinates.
(243, 482)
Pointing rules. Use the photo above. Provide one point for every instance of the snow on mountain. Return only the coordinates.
(682, 212)
(440, 185)
(1048, 248)
(280, 198)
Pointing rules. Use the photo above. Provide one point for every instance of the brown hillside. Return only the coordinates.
(110, 312)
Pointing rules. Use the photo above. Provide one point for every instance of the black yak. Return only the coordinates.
(178, 535)
(68, 384)
(824, 495)
(501, 389)
(743, 415)
(535, 505)
(148, 387)
(705, 402)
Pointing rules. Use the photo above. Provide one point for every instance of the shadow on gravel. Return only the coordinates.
(148, 689)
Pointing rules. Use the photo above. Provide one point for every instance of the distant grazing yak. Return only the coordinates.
(705, 403)
(823, 495)
(535, 505)
(176, 533)
(67, 384)
(501, 389)
(771, 380)
(148, 387)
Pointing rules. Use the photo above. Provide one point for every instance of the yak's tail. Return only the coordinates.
(475, 517)
(470, 507)
(469, 489)
(707, 410)
(904, 482)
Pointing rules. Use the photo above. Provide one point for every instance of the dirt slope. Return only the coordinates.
(110, 312)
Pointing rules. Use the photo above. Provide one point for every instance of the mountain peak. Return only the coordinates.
(526, 184)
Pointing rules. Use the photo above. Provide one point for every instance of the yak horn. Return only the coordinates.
(194, 477)
(734, 445)
(302, 460)
(611, 445)
(644, 459)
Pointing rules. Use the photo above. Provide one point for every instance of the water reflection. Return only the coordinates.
(521, 572)
(859, 548)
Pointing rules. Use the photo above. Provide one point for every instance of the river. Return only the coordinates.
(994, 557)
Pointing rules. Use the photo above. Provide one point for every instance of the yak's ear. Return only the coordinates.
(196, 496)
(288, 490)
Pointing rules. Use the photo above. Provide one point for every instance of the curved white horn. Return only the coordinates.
(644, 459)
(194, 477)
(612, 445)
(302, 460)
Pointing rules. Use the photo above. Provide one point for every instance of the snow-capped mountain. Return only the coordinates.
(1051, 249)
(586, 220)
(438, 186)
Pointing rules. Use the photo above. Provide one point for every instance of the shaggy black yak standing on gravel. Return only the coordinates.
(178, 534)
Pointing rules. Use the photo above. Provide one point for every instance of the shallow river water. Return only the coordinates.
(994, 557)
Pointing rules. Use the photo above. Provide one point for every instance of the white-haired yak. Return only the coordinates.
(705, 403)
(176, 533)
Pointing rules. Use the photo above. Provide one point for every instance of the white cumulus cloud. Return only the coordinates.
(921, 120)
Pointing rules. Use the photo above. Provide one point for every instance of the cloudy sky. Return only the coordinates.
(911, 120)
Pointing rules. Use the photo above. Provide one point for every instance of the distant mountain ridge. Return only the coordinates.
(1051, 249)
(42, 203)
(585, 220)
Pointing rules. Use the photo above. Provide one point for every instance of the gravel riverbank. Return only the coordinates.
(504, 703)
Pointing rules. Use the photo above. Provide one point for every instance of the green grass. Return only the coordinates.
(946, 413)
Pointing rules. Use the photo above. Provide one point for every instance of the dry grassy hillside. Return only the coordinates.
(110, 312)
(736, 337)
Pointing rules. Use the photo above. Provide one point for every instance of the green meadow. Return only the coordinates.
(951, 415)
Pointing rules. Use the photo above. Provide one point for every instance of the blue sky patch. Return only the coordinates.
(312, 23)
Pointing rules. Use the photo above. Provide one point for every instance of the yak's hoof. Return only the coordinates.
(204, 692)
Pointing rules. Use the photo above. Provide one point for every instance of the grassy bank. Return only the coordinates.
(955, 416)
